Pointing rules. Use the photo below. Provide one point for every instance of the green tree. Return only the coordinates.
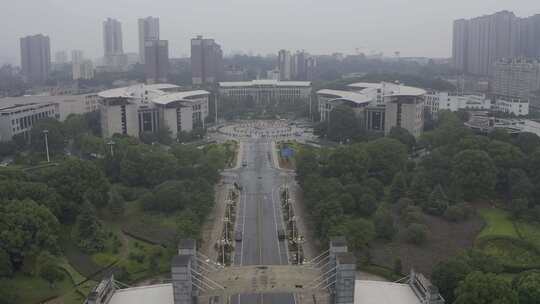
(386, 157)
(187, 226)
(485, 288)
(437, 202)
(88, 230)
(343, 126)
(55, 136)
(474, 173)
(359, 232)
(404, 136)
(75, 125)
(26, 229)
(528, 142)
(346, 160)
(77, 180)
(446, 276)
(384, 223)
(398, 188)
(6, 268)
(146, 166)
(416, 233)
(527, 286)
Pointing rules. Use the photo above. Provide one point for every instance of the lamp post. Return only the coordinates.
(45, 132)
(111, 144)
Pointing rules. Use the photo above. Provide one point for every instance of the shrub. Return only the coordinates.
(416, 233)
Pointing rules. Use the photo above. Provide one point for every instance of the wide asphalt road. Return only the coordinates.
(259, 216)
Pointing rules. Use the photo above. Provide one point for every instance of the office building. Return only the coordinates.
(113, 49)
(381, 106)
(206, 61)
(148, 108)
(148, 31)
(19, 114)
(156, 65)
(266, 92)
(284, 65)
(516, 78)
(438, 101)
(481, 41)
(81, 68)
(35, 58)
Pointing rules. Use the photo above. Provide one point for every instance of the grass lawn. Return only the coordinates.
(529, 232)
(498, 223)
(512, 253)
(31, 290)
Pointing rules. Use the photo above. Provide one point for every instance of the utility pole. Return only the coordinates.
(45, 132)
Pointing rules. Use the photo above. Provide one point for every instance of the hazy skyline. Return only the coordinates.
(414, 28)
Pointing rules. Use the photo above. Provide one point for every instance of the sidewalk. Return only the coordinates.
(211, 231)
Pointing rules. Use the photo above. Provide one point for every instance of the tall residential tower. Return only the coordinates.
(112, 42)
(206, 61)
(36, 58)
(148, 31)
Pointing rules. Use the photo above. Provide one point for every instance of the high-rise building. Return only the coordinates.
(60, 57)
(157, 60)
(516, 78)
(81, 68)
(36, 58)
(284, 65)
(481, 41)
(206, 61)
(112, 42)
(77, 56)
(148, 31)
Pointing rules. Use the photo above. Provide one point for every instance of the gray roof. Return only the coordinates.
(180, 260)
(338, 241)
(187, 244)
(265, 82)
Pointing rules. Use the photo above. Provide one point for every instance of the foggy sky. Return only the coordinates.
(413, 27)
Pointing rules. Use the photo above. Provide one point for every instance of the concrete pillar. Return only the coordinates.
(345, 278)
(337, 245)
(189, 247)
(181, 279)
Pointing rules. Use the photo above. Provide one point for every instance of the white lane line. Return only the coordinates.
(276, 225)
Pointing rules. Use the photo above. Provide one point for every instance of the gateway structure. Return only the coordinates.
(381, 106)
(149, 108)
(267, 92)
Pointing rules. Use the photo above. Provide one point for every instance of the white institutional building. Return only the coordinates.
(147, 108)
(437, 101)
(381, 106)
(19, 114)
(267, 91)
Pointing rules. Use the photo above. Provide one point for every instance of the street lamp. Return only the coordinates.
(45, 132)
(111, 144)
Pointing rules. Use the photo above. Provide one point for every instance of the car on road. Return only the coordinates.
(244, 163)
(238, 236)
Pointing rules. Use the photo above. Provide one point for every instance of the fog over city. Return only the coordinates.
(414, 28)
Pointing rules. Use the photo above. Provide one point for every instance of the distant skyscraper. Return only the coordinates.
(157, 60)
(36, 58)
(481, 41)
(112, 41)
(284, 65)
(60, 57)
(81, 68)
(148, 30)
(206, 61)
(77, 56)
